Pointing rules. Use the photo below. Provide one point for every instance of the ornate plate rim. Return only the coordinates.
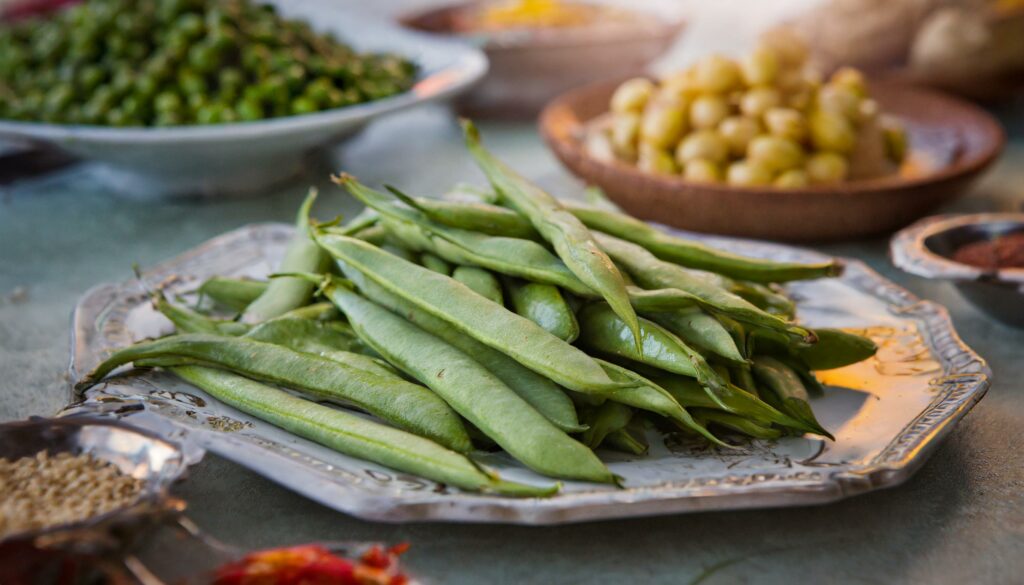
(964, 381)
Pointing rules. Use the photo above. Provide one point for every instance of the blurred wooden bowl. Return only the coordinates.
(528, 68)
(953, 141)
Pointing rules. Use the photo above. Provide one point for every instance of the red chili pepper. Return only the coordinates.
(313, 565)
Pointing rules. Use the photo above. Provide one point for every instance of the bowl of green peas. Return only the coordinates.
(187, 97)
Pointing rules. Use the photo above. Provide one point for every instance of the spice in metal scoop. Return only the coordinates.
(51, 490)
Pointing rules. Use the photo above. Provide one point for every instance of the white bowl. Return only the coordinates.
(252, 156)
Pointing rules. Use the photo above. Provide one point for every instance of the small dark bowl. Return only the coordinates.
(927, 247)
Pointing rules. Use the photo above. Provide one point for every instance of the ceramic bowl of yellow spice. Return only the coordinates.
(538, 49)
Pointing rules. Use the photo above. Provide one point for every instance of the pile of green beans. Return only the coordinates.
(508, 321)
(179, 62)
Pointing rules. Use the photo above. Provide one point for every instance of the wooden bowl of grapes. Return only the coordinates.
(824, 189)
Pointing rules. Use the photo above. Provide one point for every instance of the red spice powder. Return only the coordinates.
(1003, 252)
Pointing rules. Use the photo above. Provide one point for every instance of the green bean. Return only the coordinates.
(690, 394)
(365, 219)
(700, 330)
(332, 340)
(399, 251)
(322, 311)
(764, 298)
(651, 272)
(436, 264)
(333, 335)
(497, 221)
(185, 319)
(784, 388)
(302, 255)
(572, 241)
(351, 434)
(736, 423)
(491, 324)
(540, 392)
(473, 391)
(466, 193)
(603, 331)
(375, 235)
(511, 256)
(233, 293)
(603, 420)
(835, 348)
(627, 441)
(407, 405)
(477, 217)
(647, 395)
(544, 305)
(481, 282)
(697, 255)
(745, 379)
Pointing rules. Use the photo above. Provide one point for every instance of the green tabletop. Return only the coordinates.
(959, 520)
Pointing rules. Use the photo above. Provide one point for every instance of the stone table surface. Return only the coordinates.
(959, 520)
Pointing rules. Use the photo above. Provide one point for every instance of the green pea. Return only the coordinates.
(303, 105)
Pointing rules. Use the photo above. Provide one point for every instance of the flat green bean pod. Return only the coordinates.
(332, 340)
(690, 394)
(764, 298)
(697, 255)
(784, 387)
(481, 282)
(650, 272)
(627, 441)
(572, 241)
(407, 405)
(544, 305)
(436, 264)
(485, 217)
(468, 312)
(322, 311)
(646, 395)
(302, 255)
(736, 423)
(471, 390)
(477, 217)
(603, 331)
(835, 348)
(233, 293)
(351, 434)
(604, 420)
(540, 392)
(185, 319)
(700, 330)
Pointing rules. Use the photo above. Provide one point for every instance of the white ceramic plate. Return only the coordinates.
(251, 156)
(887, 413)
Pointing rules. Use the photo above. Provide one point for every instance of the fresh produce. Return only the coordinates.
(460, 325)
(179, 62)
(761, 121)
